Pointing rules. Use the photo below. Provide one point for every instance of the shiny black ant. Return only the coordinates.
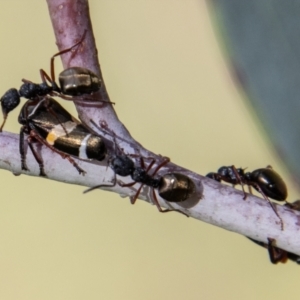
(74, 81)
(276, 254)
(172, 187)
(51, 125)
(265, 180)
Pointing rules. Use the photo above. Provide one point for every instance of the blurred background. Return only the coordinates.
(164, 67)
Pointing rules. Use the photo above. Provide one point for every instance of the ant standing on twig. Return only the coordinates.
(74, 82)
(265, 180)
(172, 187)
(51, 125)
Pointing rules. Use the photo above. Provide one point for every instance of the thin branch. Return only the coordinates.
(212, 202)
(70, 20)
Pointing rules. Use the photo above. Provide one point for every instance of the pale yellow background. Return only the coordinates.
(164, 69)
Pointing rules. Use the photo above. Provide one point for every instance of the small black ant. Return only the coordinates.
(51, 125)
(73, 81)
(265, 180)
(172, 187)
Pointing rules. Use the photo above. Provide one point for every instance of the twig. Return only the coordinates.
(212, 202)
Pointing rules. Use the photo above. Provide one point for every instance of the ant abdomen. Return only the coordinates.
(77, 81)
(175, 187)
(270, 183)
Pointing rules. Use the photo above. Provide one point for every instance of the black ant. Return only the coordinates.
(74, 81)
(264, 180)
(172, 187)
(51, 125)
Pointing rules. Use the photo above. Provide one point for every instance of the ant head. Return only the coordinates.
(9, 101)
(122, 165)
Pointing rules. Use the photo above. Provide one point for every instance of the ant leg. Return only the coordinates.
(45, 77)
(250, 189)
(294, 205)
(134, 198)
(22, 149)
(240, 181)
(101, 185)
(82, 99)
(62, 154)
(276, 254)
(103, 127)
(37, 157)
(62, 52)
(3, 122)
(163, 163)
(142, 163)
(126, 184)
(257, 187)
(155, 201)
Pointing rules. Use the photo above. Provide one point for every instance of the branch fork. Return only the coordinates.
(212, 202)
